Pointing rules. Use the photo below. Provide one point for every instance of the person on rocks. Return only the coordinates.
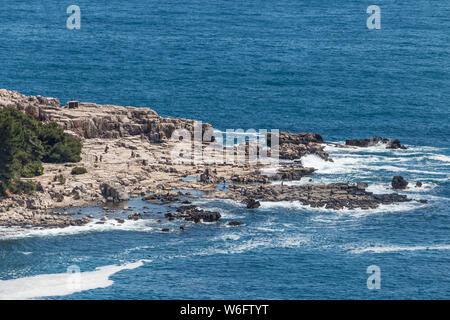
(101, 158)
(106, 149)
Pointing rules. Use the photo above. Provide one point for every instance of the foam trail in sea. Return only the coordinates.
(62, 284)
(9, 233)
(392, 248)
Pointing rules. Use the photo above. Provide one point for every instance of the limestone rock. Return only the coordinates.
(115, 193)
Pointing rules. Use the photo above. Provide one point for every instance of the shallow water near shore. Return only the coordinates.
(293, 65)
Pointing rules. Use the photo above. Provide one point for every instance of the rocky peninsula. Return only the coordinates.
(127, 153)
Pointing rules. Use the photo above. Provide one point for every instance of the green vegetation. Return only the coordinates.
(78, 170)
(25, 144)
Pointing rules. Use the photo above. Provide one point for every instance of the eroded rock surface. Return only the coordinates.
(331, 196)
(296, 145)
(91, 120)
(192, 213)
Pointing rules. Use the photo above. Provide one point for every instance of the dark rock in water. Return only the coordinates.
(182, 228)
(361, 185)
(252, 203)
(235, 223)
(114, 193)
(395, 144)
(334, 196)
(391, 198)
(120, 220)
(418, 184)
(80, 222)
(165, 230)
(399, 183)
(369, 142)
(423, 201)
(135, 216)
(162, 198)
(192, 213)
(296, 145)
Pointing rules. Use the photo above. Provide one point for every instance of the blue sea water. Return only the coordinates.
(291, 65)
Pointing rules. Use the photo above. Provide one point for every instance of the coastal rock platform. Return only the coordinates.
(127, 153)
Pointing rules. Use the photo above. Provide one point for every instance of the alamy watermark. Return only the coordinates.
(201, 145)
(74, 20)
(74, 278)
(374, 20)
(374, 280)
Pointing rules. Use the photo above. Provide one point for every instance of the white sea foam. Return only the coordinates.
(401, 169)
(61, 284)
(380, 147)
(226, 237)
(383, 188)
(344, 213)
(393, 248)
(441, 158)
(142, 225)
(268, 229)
(252, 244)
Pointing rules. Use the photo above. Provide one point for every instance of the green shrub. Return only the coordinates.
(25, 144)
(78, 170)
(22, 187)
(58, 146)
(32, 169)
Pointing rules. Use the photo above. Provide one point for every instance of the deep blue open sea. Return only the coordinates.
(291, 65)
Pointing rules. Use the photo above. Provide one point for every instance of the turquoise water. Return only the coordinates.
(293, 65)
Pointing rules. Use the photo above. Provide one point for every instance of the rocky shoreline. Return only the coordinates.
(126, 151)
